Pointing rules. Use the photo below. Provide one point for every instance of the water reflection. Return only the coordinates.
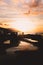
(19, 42)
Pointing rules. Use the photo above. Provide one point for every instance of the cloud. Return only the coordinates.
(2, 3)
(20, 8)
(34, 3)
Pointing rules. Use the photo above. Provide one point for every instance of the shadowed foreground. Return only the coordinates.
(24, 57)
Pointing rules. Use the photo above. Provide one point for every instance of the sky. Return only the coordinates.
(28, 12)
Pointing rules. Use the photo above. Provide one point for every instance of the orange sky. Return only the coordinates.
(21, 15)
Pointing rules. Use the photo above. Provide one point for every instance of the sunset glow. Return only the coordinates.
(22, 15)
(22, 25)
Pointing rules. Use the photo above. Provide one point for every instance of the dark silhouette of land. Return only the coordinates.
(20, 57)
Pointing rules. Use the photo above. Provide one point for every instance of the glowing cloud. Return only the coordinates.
(23, 25)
